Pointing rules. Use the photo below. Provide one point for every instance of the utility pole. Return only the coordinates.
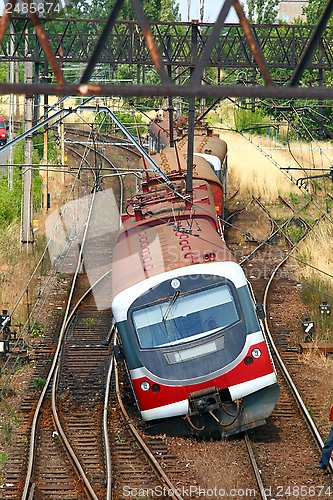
(45, 194)
(170, 106)
(61, 128)
(27, 236)
(10, 172)
(203, 99)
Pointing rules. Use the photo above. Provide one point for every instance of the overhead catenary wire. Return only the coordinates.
(282, 170)
(231, 225)
(27, 326)
(318, 206)
(169, 184)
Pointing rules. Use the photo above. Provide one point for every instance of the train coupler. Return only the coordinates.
(204, 401)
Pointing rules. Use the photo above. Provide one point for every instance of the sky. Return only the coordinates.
(212, 9)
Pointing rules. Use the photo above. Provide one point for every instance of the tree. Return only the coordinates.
(155, 10)
(313, 11)
(262, 11)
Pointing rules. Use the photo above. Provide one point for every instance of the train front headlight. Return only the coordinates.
(256, 352)
(145, 386)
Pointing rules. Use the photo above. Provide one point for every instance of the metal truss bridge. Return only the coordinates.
(73, 40)
(179, 53)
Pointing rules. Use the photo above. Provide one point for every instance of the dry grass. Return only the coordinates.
(255, 162)
(17, 261)
(16, 267)
(317, 251)
(252, 172)
(318, 360)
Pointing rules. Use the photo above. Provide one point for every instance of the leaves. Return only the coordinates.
(313, 11)
(10, 201)
(262, 11)
(155, 10)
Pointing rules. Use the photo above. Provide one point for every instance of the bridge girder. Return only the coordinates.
(171, 49)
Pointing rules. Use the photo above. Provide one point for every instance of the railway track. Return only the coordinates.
(284, 467)
(110, 164)
(142, 465)
(98, 140)
(82, 409)
(79, 395)
(72, 440)
(77, 382)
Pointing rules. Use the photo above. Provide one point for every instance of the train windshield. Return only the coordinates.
(184, 318)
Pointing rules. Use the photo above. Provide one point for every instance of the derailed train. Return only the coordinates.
(194, 349)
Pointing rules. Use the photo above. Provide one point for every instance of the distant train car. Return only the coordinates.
(3, 131)
(193, 346)
(174, 165)
(211, 147)
(213, 150)
(158, 134)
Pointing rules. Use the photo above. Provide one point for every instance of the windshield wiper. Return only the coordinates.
(172, 301)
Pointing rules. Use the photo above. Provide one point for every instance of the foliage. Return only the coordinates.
(294, 231)
(6, 427)
(37, 329)
(313, 11)
(329, 203)
(18, 180)
(308, 119)
(133, 122)
(7, 430)
(253, 122)
(38, 382)
(3, 459)
(294, 198)
(10, 199)
(4, 71)
(313, 293)
(155, 10)
(10, 203)
(61, 277)
(262, 11)
(52, 148)
(90, 323)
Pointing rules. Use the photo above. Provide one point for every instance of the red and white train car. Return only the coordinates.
(194, 348)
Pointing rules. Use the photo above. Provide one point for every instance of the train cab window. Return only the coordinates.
(185, 318)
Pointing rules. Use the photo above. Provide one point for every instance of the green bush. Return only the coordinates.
(38, 382)
(135, 125)
(3, 459)
(37, 329)
(10, 201)
(254, 122)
